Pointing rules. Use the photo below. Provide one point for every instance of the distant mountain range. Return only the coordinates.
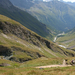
(7, 9)
(72, 4)
(55, 14)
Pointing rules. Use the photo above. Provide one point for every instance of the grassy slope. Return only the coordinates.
(20, 69)
(7, 40)
(27, 68)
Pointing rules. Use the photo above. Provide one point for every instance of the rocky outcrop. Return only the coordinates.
(29, 53)
(4, 65)
(20, 60)
(11, 52)
(31, 37)
(5, 51)
(23, 33)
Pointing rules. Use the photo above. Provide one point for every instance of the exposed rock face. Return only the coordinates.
(20, 60)
(23, 33)
(29, 36)
(5, 51)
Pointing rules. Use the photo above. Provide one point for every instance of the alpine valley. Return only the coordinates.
(55, 14)
(7, 9)
(27, 31)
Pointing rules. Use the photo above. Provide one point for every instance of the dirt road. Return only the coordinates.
(53, 66)
(48, 66)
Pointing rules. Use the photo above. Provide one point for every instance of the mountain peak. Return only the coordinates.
(5, 3)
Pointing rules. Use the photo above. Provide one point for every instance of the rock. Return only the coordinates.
(5, 51)
(4, 64)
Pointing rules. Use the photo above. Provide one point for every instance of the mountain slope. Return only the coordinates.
(7, 9)
(17, 43)
(72, 4)
(56, 14)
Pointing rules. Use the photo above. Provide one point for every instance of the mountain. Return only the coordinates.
(55, 14)
(7, 9)
(17, 43)
(5, 4)
(72, 4)
(68, 39)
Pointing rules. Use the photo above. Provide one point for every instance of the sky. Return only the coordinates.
(69, 0)
(63, 0)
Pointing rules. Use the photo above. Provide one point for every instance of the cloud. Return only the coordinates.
(69, 0)
(62, 0)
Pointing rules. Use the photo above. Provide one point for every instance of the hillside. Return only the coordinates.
(17, 43)
(7, 9)
(55, 14)
(23, 52)
(68, 39)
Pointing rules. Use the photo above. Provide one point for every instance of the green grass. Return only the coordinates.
(29, 54)
(12, 41)
(68, 39)
(28, 68)
(20, 51)
(30, 47)
(42, 62)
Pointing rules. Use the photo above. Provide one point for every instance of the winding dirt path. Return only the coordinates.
(49, 66)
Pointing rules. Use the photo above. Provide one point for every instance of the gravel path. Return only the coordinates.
(49, 66)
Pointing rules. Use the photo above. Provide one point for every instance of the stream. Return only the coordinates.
(57, 37)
